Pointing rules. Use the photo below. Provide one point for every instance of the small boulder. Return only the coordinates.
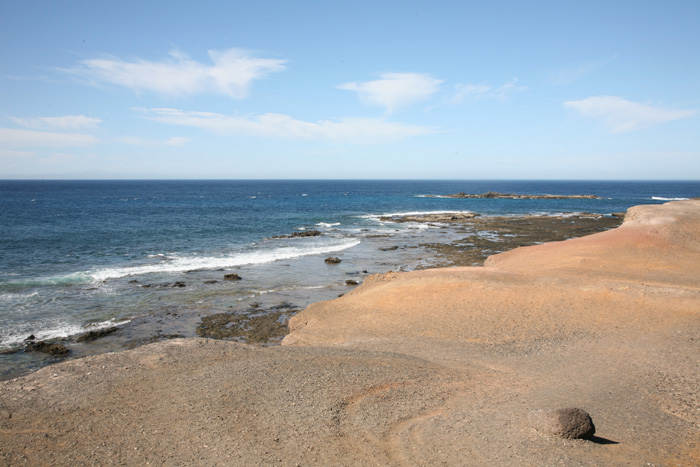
(179, 284)
(333, 260)
(351, 282)
(569, 423)
(232, 277)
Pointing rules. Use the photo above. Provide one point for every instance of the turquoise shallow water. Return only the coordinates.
(75, 255)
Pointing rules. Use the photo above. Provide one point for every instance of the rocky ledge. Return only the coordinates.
(438, 217)
(495, 194)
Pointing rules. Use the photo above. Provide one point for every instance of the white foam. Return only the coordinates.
(14, 297)
(410, 213)
(326, 224)
(190, 263)
(54, 331)
(659, 198)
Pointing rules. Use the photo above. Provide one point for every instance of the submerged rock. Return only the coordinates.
(49, 348)
(333, 260)
(232, 277)
(351, 282)
(569, 423)
(96, 334)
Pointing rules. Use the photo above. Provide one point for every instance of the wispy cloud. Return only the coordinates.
(395, 90)
(29, 138)
(271, 125)
(66, 122)
(573, 73)
(621, 115)
(231, 73)
(485, 91)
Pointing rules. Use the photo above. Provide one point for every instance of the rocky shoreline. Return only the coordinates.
(576, 352)
(479, 237)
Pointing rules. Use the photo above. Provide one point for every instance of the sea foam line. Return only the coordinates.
(659, 198)
(409, 213)
(198, 263)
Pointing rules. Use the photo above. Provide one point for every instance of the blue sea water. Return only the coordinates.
(75, 255)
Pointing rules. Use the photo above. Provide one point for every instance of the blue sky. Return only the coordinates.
(368, 90)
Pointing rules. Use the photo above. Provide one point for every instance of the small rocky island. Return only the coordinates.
(497, 195)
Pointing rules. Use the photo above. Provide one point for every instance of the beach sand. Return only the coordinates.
(432, 367)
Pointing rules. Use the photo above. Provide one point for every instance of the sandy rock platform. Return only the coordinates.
(434, 367)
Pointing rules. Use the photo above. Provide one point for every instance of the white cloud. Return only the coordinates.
(174, 141)
(231, 73)
(66, 122)
(271, 125)
(621, 115)
(19, 137)
(484, 91)
(15, 154)
(395, 90)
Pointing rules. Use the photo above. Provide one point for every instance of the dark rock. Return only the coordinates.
(50, 348)
(389, 248)
(31, 337)
(351, 282)
(96, 334)
(133, 281)
(211, 282)
(332, 260)
(620, 215)
(569, 423)
(232, 277)
(179, 284)
(364, 271)
(253, 329)
(304, 233)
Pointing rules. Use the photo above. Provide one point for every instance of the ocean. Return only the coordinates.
(84, 255)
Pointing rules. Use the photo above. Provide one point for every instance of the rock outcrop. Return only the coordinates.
(495, 194)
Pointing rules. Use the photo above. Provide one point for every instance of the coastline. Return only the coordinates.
(245, 312)
(415, 368)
